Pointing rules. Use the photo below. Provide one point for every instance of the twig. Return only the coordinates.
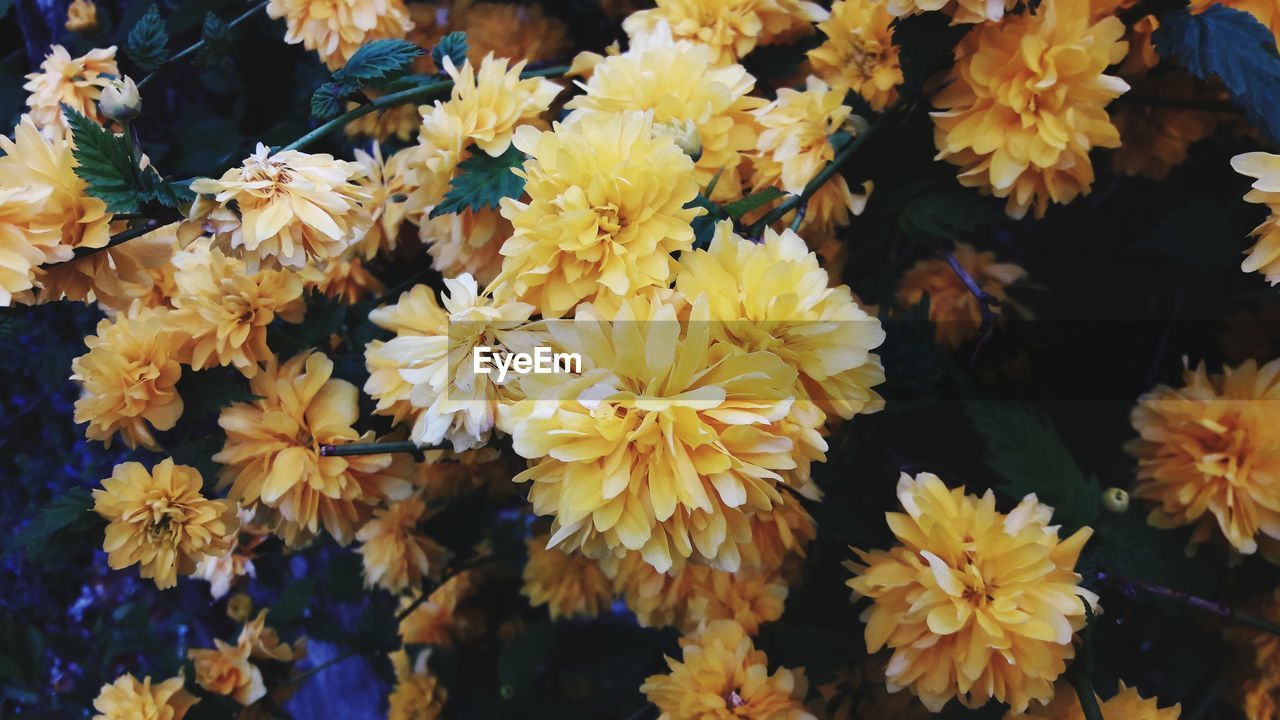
(422, 92)
(1193, 601)
(136, 231)
(988, 304)
(304, 676)
(200, 44)
(453, 572)
(373, 448)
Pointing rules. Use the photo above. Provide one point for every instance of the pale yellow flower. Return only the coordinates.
(606, 210)
(569, 585)
(1027, 102)
(226, 568)
(226, 670)
(858, 53)
(975, 604)
(466, 243)
(417, 694)
(130, 699)
(1206, 454)
(272, 461)
(159, 521)
(138, 270)
(1126, 704)
(1264, 256)
(346, 279)
(293, 206)
(82, 16)
(335, 29)
(396, 556)
(489, 102)
(953, 309)
(723, 676)
(75, 82)
(731, 28)
(385, 182)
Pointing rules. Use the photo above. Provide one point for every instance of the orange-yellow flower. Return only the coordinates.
(955, 312)
(569, 585)
(1206, 454)
(975, 604)
(731, 28)
(82, 16)
(438, 620)
(346, 279)
(272, 457)
(1264, 256)
(1027, 102)
(417, 694)
(1154, 140)
(397, 556)
(138, 270)
(75, 82)
(128, 379)
(130, 699)
(858, 53)
(1126, 704)
(723, 676)
(520, 32)
(226, 670)
(335, 29)
(159, 521)
(386, 183)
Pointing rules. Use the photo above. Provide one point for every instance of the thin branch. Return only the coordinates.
(373, 448)
(1197, 602)
(200, 45)
(136, 231)
(453, 572)
(988, 305)
(304, 676)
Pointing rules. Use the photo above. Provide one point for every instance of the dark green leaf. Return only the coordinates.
(291, 604)
(948, 215)
(1024, 450)
(5, 7)
(72, 512)
(216, 36)
(103, 161)
(377, 60)
(452, 46)
(1232, 46)
(206, 392)
(738, 208)
(914, 365)
(925, 44)
(482, 181)
(704, 226)
(328, 100)
(148, 45)
(157, 190)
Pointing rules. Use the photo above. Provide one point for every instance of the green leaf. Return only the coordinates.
(103, 162)
(1024, 449)
(291, 604)
(148, 44)
(704, 226)
(325, 317)
(1232, 46)
(738, 208)
(206, 392)
(328, 100)
(5, 7)
(452, 46)
(482, 181)
(72, 512)
(377, 60)
(947, 215)
(914, 365)
(216, 36)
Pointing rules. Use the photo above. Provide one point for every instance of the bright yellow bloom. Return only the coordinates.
(438, 620)
(226, 670)
(679, 82)
(159, 521)
(666, 443)
(974, 603)
(779, 537)
(819, 331)
(795, 144)
(606, 210)
(723, 676)
(489, 103)
(130, 699)
(128, 380)
(272, 457)
(731, 28)
(520, 32)
(466, 243)
(222, 309)
(1126, 704)
(23, 238)
(1027, 102)
(1206, 454)
(397, 556)
(1264, 256)
(335, 29)
(569, 585)
(432, 355)
(76, 82)
(859, 53)
(385, 181)
(1154, 140)
(82, 16)
(417, 694)
(955, 312)
(293, 206)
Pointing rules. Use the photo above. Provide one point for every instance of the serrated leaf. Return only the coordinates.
(377, 60)
(148, 44)
(704, 226)
(738, 208)
(103, 162)
(452, 46)
(482, 181)
(72, 512)
(947, 215)
(216, 36)
(328, 100)
(1232, 46)
(1025, 451)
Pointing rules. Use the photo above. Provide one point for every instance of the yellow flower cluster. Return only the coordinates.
(129, 699)
(237, 670)
(335, 29)
(858, 53)
(74, 82)
(730, 28)
(953, 309)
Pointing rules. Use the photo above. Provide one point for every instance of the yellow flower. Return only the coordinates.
(606, 210)
(385, 182)
(293, 206)
(82, 16)
(1027, 102)
(723, 676)
(466, 243)
(1126, 704)
(397, 556)
(226, 670)
(974, 603)
(76, 82)
(489, 103)
(679, 82)
(222, 309)
(520, 32)
(1206, 454)
(819, 331)
(1154, 140)
(955, 312)
(417, 694)
(657, 599)
(667, 441)
(130, 699)
(345, 279)
(437, 620)
(335, 29)
(731, 28)
(128, 380)
(433, 357)
(159, 521)
(139, 270)
(569, 585)
(1264, 256)
(858, 53)
(795, 144)
(266, 643)
(779, 537)
(748, 598)
(236, 561)
(22, 239)
(272, 457)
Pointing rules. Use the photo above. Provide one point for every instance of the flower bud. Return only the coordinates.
(120, 100)
(239, 607)
(685, 135)
(82, 17)
(1115, 500)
